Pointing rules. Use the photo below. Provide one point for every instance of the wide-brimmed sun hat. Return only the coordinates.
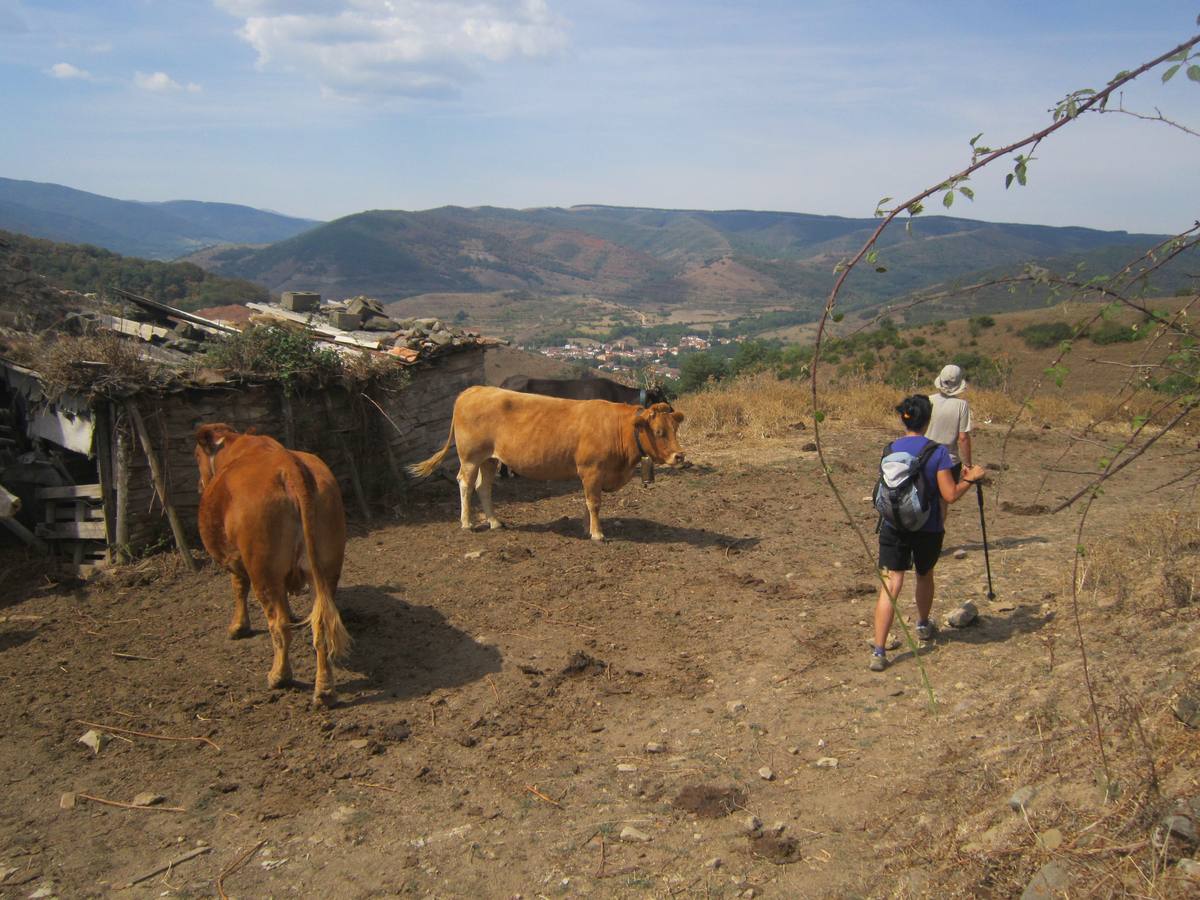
(950, 382)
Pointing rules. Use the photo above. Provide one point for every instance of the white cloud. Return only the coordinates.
(162, 83)
(408, 47)
(66, 71)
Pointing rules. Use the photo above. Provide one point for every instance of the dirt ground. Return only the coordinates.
(528, 713)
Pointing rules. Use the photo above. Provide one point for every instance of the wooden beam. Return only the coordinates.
(160, 485)
(122, 461)
(71, 531)
(104, 466)
(70, 491)
(147, 303)
(25, 534)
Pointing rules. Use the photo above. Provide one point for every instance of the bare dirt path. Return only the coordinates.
(509, 714)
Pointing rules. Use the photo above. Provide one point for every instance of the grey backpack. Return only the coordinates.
(903, 495)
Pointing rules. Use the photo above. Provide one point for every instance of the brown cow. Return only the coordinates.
(274, 519)
(549, 439)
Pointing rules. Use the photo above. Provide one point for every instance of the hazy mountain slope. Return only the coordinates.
(153, 230)
(646, 256)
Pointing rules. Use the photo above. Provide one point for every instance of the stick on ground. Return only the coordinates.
(233, 866)
(130, 805)
(165, 867)
(146, 734)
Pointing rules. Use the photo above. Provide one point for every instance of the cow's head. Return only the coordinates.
(656, 428)
(210, 441)
(656, 393)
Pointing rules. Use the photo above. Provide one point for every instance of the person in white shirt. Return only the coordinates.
(951, 420)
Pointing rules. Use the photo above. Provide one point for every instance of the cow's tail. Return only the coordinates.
(329, 634)
(425, 469)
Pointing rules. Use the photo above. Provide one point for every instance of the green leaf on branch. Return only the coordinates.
(967, 192)
(818, 416)
(948, 199)
(977, 137)
(1169, 74)
(1193, 72)
(916, 208)
(838, 316)
(1008, 180)
(881, 268)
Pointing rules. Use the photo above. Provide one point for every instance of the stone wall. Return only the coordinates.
(343, 428)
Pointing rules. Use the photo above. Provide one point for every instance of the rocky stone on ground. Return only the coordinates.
(1186, 707)
(1048, 883)
(1022, 797)
(963, 616)
(632, 835)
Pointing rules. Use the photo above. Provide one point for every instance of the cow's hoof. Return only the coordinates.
(325, 699)
(237, 632)
(495, 524)
(597, 537)
(279, 682)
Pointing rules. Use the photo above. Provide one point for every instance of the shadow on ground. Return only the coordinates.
(402, 650)
(639, 531)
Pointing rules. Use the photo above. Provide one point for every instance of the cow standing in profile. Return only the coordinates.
(273, 518)
(550, 439)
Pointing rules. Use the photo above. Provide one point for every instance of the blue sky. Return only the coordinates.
(323, 108)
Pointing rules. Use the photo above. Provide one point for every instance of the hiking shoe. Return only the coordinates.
(878, 663)
(927, 631)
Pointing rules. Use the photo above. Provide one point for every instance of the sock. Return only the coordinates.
(922, 623)
(878, 650)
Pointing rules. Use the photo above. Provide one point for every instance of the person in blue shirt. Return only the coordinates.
(900, 551)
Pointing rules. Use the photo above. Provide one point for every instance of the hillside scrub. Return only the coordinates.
(88, 269)
(1042, 335)
(762, 405)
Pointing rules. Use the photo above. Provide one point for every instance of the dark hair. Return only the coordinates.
(915, 412)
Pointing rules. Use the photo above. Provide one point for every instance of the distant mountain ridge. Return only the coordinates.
(648, 256)
(151, 230)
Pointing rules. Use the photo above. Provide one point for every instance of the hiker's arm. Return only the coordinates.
(964, 447)
(951, 491)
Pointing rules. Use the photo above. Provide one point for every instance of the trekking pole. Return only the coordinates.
(991, 595)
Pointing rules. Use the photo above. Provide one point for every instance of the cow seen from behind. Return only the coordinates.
(273, 518)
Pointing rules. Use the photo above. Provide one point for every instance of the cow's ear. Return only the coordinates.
(678, 418)
(210, 438)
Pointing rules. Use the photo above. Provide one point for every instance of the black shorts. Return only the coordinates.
(898, 550)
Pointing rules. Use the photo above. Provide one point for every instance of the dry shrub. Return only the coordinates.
(758, 405)
(1154, 562)
(764, 406)
(103, 363)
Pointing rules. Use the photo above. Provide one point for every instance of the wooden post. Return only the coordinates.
(354, 480)
(123, 459)
(160, 485)
(104, 465)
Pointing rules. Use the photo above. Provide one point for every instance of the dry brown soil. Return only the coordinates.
(497, 711)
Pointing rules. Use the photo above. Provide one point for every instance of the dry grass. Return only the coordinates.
(103, 363)
(763, 406)
(1154, 564)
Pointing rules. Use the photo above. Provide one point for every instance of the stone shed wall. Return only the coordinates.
(341, 427)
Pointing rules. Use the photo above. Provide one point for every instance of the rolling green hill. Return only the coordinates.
(89, 269)
(151, 230)
(739, 260)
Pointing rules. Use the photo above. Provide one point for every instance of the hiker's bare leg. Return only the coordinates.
(885, 610)
(924, 591)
